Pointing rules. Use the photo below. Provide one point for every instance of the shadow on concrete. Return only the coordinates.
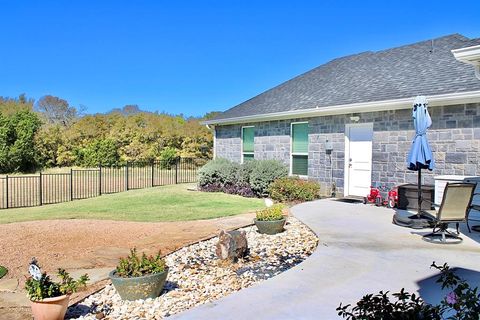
(431, 291)
(474, 235)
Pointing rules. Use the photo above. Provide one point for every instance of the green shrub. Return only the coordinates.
(135, 266)
(168, 157)
(246, 170)
(461, 303)
(272, 213)
(219, 171)
(98, 152)
(43, 287)
(263, 173)
(291, 189)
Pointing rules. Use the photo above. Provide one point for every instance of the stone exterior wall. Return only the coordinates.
(454, 138)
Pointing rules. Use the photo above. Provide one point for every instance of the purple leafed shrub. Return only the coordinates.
(212, 187)
(241, 189)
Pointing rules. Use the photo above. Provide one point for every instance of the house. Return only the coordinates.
(348, 123)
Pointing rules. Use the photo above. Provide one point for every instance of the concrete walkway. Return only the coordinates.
(360, 251)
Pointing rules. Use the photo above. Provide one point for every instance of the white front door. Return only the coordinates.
(358, 159)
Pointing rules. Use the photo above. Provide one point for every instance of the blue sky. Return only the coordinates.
(192, 57)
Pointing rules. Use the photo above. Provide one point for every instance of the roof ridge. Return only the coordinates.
(426, 42)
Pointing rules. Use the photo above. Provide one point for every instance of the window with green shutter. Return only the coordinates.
(248, 137)
(299, 149)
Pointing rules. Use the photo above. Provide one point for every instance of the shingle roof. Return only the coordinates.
(395, 73)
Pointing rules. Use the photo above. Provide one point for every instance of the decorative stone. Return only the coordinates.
(196, 276)
(231, 245)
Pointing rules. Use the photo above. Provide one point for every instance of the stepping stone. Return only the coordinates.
(8, 285)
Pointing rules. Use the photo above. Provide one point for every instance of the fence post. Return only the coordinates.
(100, 180)
(176, 171)
(153, 168)
(40, 188)
(6, 189)
(126, 177)
(71, 184)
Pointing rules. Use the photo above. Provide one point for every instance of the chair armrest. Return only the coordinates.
(433, 204)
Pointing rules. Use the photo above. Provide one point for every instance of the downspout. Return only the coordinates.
(477, 71)
(212, 128)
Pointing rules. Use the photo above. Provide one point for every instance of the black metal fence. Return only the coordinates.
(48, 188)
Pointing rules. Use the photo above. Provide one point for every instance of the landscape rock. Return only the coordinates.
(197, 276)
(232, 245)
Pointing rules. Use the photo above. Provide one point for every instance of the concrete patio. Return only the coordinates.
(360, 251)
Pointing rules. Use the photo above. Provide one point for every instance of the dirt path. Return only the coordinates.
(74, 244)
(86, 244)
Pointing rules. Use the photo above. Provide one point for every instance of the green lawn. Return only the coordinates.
(168, 203)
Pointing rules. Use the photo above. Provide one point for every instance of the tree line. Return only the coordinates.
(52, 133)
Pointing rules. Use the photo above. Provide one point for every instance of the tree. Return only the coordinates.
(98, 152)
(10, 106)
(17, 147)
(56, 110)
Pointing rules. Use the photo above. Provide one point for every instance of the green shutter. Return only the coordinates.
(300, 165)
(300, 138)
(248, 137)
(247, 157)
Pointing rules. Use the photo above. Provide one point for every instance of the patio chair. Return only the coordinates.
(455, 206)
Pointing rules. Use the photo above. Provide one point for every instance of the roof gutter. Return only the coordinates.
(470, 55)
(397, 104)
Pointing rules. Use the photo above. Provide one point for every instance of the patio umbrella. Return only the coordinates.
(420, 155)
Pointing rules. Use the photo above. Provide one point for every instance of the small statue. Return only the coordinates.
(34, 270)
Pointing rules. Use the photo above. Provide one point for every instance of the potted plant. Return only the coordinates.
(270, 220)
(139, 277)
(49, 299)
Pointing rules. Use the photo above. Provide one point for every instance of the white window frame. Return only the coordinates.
(297, 153)
(241, 145)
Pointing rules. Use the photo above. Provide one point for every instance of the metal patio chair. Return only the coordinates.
(455, 206)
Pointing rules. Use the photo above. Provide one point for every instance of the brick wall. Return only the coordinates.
(454, 138)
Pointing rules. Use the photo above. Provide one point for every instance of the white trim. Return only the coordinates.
(396, 104)
(214, 142)
(241, 144)
(290, 171)
(346, 170)
(470, 55)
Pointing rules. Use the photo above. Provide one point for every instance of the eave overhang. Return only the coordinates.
(396, 104)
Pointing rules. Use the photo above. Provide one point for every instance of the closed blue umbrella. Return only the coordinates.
(420, 155)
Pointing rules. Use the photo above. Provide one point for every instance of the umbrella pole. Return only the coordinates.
(419, 210)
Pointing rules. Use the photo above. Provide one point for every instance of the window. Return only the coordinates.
(248, 135)
(299, 160)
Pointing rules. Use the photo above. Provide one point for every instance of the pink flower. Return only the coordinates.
(451, 298)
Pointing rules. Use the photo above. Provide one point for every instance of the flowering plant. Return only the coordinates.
(461, 303)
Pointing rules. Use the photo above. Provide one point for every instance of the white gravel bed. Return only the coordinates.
(196, 276)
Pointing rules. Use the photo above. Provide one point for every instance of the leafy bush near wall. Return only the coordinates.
(249, 179)
(264, 173)
(292, 189)
(246, 170)
(219, 171)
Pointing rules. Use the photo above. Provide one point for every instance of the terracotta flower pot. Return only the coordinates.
(50, 308)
